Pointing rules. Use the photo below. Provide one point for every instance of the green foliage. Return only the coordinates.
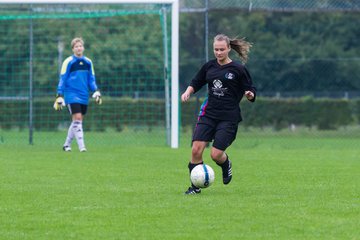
(324, 114)
(127, 56)
(118, 113)
(296, 51)
(293, 51)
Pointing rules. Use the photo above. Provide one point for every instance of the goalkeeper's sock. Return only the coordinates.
(79, 134)
(70, 135)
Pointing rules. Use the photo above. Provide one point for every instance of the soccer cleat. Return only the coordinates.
(67, 148)
(227, 174)
(83, 150)
(193, 190)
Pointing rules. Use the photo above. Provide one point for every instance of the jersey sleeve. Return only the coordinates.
(92, 80)
(63, 75)
(200, 79)
(248, 84)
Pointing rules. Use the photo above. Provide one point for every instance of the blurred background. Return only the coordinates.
(305, 63)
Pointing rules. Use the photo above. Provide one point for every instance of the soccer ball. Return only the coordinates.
(202, 176)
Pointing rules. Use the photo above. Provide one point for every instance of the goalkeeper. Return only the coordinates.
(77, 78)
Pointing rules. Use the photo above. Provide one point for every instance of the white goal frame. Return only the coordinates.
(174, 141)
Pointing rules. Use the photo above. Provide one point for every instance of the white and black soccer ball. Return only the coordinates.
(202, 176)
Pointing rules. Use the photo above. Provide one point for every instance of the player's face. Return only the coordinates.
(78, 49)
(221, 50)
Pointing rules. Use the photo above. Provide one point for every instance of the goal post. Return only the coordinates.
(173, 56)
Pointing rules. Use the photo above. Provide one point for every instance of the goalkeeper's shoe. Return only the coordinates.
(193, 191)
(67, 148)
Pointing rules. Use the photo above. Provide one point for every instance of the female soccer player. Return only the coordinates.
(76, 79)
(219, 116)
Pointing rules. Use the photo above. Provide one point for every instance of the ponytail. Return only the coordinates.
(239, 45)
(242, 47)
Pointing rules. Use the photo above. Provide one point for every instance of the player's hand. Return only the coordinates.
(186, 95)
(249, 95)
(97, 96)
(59, 103)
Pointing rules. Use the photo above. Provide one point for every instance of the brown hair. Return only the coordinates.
(75, 41)
(241, 46)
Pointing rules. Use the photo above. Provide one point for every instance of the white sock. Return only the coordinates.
(70, 136)
(79, 134)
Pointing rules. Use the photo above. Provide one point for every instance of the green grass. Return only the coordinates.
(284, 187)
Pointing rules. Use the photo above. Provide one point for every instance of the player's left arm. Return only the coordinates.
(92, 84)
(250, 90)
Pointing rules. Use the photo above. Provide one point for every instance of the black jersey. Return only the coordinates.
(226, 87)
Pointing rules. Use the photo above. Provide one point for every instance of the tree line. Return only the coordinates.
(292, 51)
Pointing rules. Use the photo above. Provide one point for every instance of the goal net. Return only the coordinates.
(130, 47)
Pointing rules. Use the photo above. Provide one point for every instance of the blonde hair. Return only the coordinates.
(75, 41)
(239, 45)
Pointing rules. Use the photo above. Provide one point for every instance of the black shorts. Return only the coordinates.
(77, 108)
(222, 132)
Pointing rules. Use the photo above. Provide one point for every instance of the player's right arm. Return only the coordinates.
(63, 76)
(186, 95)
(196, 83)
(59, 100)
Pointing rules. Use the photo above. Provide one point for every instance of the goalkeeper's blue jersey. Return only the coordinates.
(77, 78)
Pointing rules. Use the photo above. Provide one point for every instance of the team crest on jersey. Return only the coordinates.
(81, 63)
(229, 75)
(218, 89)
(217, 83)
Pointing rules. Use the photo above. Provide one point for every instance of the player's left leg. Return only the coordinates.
(78, 131)
(78, 111)
(222, 160)
(225, 134)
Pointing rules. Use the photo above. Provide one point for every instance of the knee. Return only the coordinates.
(77, 117)
(216, 154)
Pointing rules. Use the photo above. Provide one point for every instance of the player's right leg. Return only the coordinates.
(196, 159)
(193, 189)
(78, 132)
(203, 133)
(69, 138)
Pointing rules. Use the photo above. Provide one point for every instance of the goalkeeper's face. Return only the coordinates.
(78, 49)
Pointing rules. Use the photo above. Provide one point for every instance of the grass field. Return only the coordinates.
(284, 187)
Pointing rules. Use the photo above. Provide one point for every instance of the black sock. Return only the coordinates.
(191, 167)
(225, 164)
